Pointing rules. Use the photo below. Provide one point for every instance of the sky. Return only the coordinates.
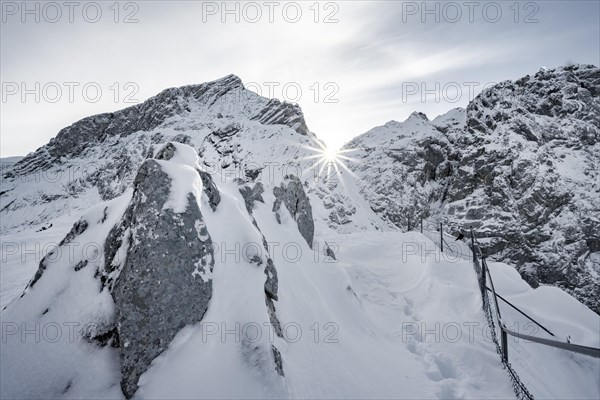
(351, 65)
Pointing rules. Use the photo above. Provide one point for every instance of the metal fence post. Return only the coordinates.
(483, 276)
(441, 238)
(504, 339)
(473, 245)
(421, 224)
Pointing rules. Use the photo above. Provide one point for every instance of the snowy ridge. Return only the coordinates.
(309, 291)
(235, 132)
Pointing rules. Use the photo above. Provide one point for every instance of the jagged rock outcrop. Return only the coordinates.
(252, 194)
(278, 113)
(210, 189)
(520, 165)
(403, 168)
(165, 281)
(291, 194)
(533, 147)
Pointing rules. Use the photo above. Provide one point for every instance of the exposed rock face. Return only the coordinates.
(210, 189)
(277, 113)
(520, 164)
(78, 228)
(252, 194)
(533, 146)
(403, 168)
(165, 281)
(291, 193)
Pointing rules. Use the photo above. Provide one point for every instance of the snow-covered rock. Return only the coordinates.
(165, 281)
(156, 263)
(521, 165)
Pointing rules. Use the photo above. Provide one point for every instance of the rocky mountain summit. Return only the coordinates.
(237, 134)
(521, 165)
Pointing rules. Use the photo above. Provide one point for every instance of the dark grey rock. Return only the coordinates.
(329, 252)
(165, 282)
(78, 228)
(166, 152)
(210, 189)
(278, 360)
(291, 194)
(271, 284)
(252, 173)
(251, 195)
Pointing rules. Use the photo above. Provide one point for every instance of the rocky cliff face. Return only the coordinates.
(292, 195)
(521, 165)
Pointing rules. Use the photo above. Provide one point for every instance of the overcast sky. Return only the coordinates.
(350, 65)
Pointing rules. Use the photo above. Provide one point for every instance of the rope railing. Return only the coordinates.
(590, 351)
(521, 312)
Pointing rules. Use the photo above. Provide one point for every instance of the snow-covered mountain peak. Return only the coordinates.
(455, 117)
(417, 115)
(234, 131)
(225, 98)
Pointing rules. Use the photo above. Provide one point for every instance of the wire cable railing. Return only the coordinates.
(589, 351)
(434, 230)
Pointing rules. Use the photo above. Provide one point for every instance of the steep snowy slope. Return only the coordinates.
(521, 165)
(186, 307)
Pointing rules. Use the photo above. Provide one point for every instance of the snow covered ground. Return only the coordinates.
(392, 318)
(22, 251)
(546, 371)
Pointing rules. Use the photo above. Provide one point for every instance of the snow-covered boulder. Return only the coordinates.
(165, 281)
